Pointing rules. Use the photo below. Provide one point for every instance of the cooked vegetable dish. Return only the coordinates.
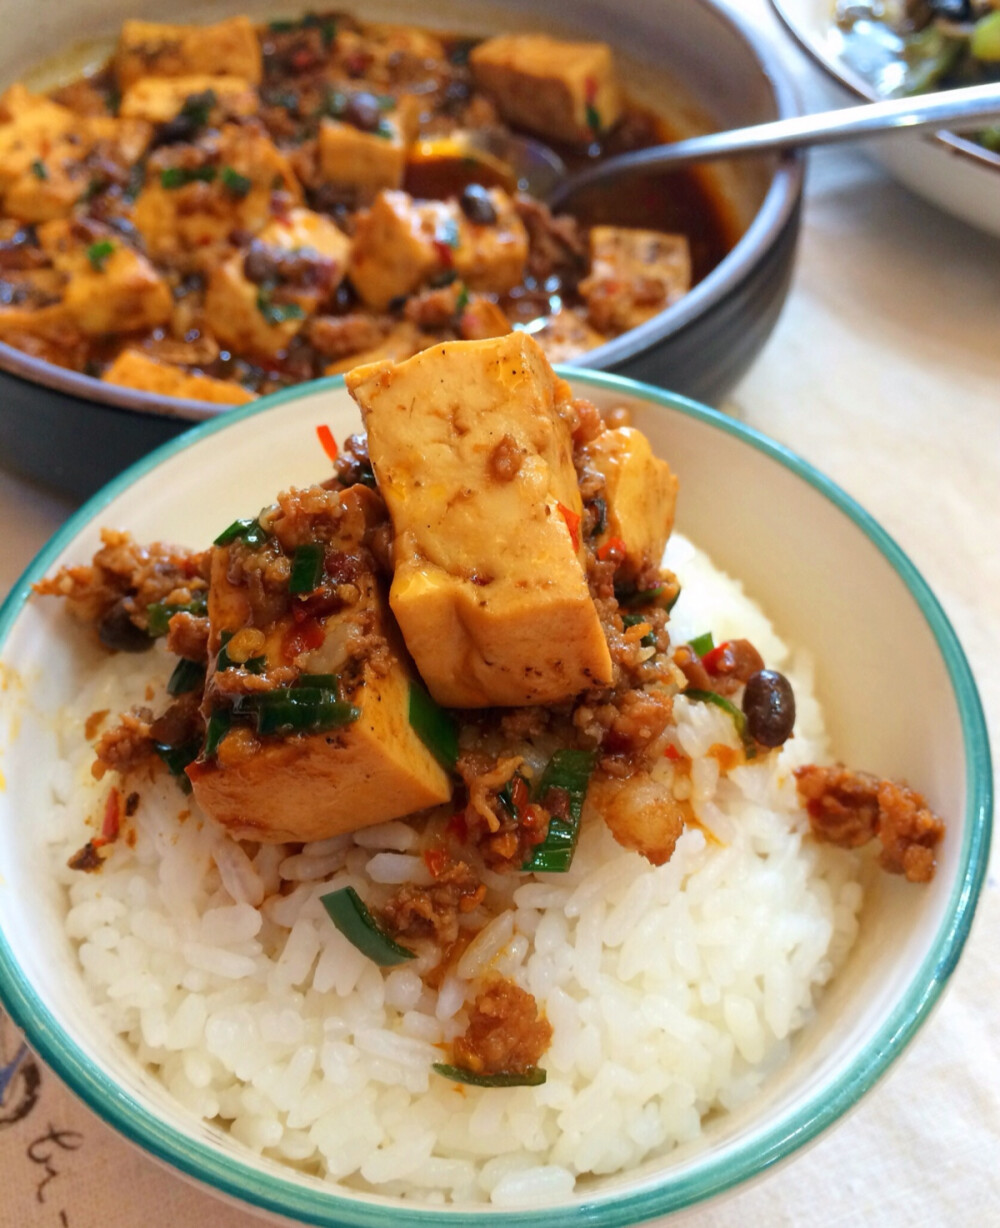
(911, 46)
(224, 210)
(466, 627)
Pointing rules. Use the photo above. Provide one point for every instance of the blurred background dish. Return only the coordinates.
(959, 174)
(694, 63)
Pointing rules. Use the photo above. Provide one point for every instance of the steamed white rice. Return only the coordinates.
(672, 992)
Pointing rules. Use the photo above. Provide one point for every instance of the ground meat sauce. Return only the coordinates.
(852, 808)
(505, 1033)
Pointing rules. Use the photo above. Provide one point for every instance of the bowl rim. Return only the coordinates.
(712, 1175)
(775, 212)
(854, 83)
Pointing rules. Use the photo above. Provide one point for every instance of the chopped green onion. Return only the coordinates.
(534, 1076)
(629, 598)
(219, 724)
(600, 510)
(277, 313)
(197, 107)
(350, 915)
(296, 710)
(433, 726)
(249, 531)
(593, 118)
(633, 620)
(187, 676)
(38, 169)
(159, 613)
(318, 682)
(386, 132)
(307, 567)
(739, 717)
(506, 794)
(235, 184)
(463, 299)
(673, 600)
(334, 104)
(98, 253)
(702, 643)
(180, 176)
(569, 770)
(177, 758)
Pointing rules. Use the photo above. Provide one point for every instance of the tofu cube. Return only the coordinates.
(491, 258)
(634, 275)
(51, 165)
(134, 369)
(400, 244)
(565, 336)
(565, 91)
(368, 161)
(110, 287)
(191, 225)
(640, 493)
(403, 340)
(473, 454)
(160, 99)
(242, 315)
(152, 49)
(306, 787)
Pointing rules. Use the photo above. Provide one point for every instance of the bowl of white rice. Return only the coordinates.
(710, 1016)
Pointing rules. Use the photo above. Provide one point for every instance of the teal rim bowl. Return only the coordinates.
(720, 1168)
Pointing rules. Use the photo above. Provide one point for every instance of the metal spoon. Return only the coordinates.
(540, 171)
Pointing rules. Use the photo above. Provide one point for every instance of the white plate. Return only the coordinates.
(955, 174)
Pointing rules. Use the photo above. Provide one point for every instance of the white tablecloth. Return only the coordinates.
(884, 372)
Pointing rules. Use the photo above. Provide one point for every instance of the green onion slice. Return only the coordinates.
(187, 676)
(296, 710)
(159, 613)
(534, 1076)
(739, 717)
(433, 726)
(307, 567)
(253, 665)
(350, 915)
(248, 530)
(702, 643)
(632, 620)
(177, 758)
(569, 770)
(235, 184)
(219, 724)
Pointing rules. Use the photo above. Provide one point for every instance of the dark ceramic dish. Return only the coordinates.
(74, 433)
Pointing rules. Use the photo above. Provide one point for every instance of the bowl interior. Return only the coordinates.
(899, 700)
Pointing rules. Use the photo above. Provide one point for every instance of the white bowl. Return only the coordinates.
(951, 172)
(899, 699)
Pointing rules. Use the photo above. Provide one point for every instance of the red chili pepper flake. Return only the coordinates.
(572, 523)
(614, 549)
(111, 824)
(305, 637)
(458, 827)
(436, 860)
(327, 441)
(673, 753)
(713, 658)
(446, 253)
(590, 89)
(519, 793)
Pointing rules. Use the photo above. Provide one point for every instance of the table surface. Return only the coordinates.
(884, 372)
